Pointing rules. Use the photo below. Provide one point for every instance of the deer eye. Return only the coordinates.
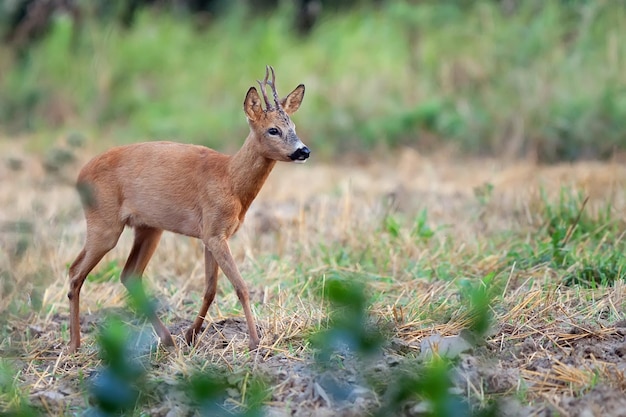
(273, 131)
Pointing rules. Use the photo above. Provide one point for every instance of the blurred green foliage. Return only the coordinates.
(431, 383)
(126, 379)
(539, 78)
(478, 298)
(108, 272)
(351, 333)
(116, 387)
(350, 327)
(208, 389)
(13, 401)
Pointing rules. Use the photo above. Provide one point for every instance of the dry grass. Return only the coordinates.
(550, 345)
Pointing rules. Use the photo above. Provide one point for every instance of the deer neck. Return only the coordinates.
(248, 170)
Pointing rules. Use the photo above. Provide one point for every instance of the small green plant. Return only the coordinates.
(598, 270)
(478, 298)
(421, 230)
(349, 326)
(106, 273)
(484, 193)
(209, 389)
(116, 387)
(573, 240)
(207, 392)
(430, 385)
(392, 225)
(57, 158)
(13, 402)
(21, 232)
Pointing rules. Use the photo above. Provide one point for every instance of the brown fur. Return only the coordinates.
(186, 189)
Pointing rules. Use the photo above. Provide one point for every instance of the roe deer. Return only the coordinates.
(186, 189)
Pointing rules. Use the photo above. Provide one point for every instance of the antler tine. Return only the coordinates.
(263, 85)
(273, 85)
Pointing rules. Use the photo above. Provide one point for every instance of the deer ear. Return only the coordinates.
(252, 105)
(292, 102)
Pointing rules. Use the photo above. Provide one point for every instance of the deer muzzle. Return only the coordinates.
(300, 155)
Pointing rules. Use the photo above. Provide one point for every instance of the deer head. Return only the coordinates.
(272, 126)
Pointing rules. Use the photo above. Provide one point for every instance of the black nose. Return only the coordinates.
(301, 154)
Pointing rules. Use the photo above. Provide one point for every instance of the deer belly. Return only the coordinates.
(171, 218)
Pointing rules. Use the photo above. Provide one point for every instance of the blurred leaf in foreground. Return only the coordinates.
(116, 387)
(350, 327)
(12, 401)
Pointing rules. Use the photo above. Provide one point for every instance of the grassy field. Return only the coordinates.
(542, 246)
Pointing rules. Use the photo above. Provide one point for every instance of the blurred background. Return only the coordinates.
(535, 79)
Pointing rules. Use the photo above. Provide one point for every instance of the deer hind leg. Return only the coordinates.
(210, 271)
(221, 252)
(144, 245)
(100, 240)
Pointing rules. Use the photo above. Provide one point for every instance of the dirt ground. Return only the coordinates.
(552, 350)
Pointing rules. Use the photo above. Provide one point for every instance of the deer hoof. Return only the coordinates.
(190, 336)
(166, 339)
(253, 344)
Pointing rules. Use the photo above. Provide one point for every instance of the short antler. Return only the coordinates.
(264, 84)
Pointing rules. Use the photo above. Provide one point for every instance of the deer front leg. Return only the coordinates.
(221, 253)
(210, 275)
